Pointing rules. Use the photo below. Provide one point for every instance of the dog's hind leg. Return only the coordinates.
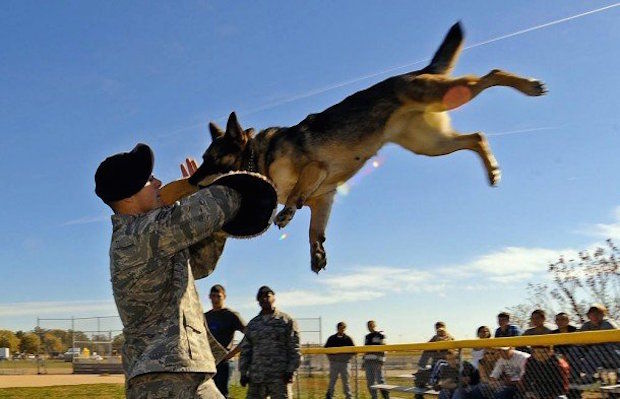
(430, 134)
(320, 208)
(437, 93)
(310, 178)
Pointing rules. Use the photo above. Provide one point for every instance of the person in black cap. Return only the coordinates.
(156, 253)
(270, 352)
(223, 322)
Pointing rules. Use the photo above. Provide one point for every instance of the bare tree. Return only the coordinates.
(593, 277)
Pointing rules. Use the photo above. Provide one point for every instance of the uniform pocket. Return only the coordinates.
(194, 336)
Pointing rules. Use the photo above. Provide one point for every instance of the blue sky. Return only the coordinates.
(415, 240)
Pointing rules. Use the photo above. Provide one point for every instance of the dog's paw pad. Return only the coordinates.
(284, 217)
(536, 88)
(318, 258)
(495, 176)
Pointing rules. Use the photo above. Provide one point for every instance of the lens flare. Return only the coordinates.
(283, 236)
(345, 188)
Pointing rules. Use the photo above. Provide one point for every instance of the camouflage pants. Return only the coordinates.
(272, 389)
(172, 386)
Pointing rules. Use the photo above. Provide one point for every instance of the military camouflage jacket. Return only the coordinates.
(154, 259)
(270, 347)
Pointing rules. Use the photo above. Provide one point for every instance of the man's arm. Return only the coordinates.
(239, 326)
(294, 355)
(172, 229)
(246, 354)
(205, 254)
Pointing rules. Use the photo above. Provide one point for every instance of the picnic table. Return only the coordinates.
(404, 389)
(611, 391)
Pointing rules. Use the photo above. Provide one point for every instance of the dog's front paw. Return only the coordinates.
(535, 88)
(495, 175)
(284, 216)
(318, 257)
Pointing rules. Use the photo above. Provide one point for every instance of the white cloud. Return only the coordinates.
(57, 308)
(364, 284)
(611, 230)
(86, 220)
(509, 264)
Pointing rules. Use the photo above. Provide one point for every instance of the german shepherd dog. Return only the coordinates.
(306, 162)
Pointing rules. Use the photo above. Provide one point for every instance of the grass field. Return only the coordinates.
(311, 388)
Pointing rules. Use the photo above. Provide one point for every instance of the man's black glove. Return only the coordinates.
(288, 377)
(244, 380)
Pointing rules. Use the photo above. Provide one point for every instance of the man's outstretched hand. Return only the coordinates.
(189, 168)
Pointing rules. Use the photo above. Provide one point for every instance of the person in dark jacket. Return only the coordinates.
(546, 375)
(339, 362)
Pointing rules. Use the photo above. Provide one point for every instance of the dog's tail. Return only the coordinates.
(445, 58)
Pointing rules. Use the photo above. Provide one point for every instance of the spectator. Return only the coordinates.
(563, 323)
(508, 371)
(487, 387)
(373, 362)
(223, 322)
(441, 334)
(537, 320)
(270, 351)
(505, 328)
(339, 362)
(454, 378)
(601, 355)
(570, 353)
(597, 319)
(546, 375)
(483, 332)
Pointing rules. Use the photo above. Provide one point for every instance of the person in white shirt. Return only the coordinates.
(508, 370)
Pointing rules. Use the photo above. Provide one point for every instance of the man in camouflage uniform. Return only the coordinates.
(156, 253)
(270, 352)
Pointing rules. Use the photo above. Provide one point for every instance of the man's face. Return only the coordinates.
(503, 322)
(341, 328)
(217, 299)
(441, 332)
(596, 317)
(537, 320)
(148, 197)
(266, 300)
(371, 326)
(561, 321)
(484, 333)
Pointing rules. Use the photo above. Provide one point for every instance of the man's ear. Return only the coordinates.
(235, 131)
(215, 130)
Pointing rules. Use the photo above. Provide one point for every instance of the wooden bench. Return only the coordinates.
(410, 390)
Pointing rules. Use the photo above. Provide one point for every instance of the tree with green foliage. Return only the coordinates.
(52, 343)
(117, 343)
(30, 343)
(9, 340)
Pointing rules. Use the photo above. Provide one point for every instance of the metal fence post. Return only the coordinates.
(356, 377)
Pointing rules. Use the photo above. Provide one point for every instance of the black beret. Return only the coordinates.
(262, 291)
(123, 175)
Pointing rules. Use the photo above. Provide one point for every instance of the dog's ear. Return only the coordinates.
(215, 130)
(235, 131)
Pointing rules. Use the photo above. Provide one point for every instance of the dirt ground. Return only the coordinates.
(46, 380)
